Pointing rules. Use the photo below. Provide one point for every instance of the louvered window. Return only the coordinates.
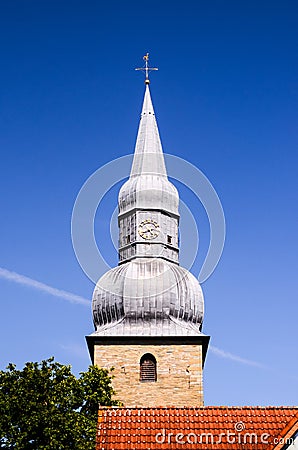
(148, 368)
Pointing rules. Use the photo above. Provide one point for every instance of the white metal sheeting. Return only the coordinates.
(148, 192)
(154, 296)
(148, 185)
(148, 151)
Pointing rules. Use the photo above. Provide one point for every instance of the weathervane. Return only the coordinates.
(146, 69)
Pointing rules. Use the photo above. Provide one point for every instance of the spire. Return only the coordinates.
(148, 157)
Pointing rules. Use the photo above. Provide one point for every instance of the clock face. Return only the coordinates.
(149, 229)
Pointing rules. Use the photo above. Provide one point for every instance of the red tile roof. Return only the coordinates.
(206, 428)
(290, 429)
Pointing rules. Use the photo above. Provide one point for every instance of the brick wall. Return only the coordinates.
(179, 374)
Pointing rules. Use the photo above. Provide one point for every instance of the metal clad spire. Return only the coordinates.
(148, 157)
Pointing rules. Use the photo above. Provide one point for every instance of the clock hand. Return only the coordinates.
(149, 228)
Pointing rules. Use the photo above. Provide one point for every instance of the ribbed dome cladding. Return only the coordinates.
(148, 191)
(148, 289)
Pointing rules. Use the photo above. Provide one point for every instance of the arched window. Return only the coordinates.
(148, 371)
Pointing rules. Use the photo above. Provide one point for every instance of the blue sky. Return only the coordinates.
(225, 98)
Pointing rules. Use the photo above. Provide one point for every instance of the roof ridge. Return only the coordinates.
(208, 407)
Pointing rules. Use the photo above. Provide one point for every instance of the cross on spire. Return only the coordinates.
(146, 69)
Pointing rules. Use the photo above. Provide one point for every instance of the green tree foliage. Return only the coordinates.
(45, 407)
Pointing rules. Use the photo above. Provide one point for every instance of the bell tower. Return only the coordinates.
(148, 311)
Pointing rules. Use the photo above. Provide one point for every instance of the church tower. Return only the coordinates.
(148, 311)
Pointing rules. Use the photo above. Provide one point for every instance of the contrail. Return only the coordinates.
(26, 281)
(217, 351)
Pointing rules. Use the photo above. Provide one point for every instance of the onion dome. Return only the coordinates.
(148, 297)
